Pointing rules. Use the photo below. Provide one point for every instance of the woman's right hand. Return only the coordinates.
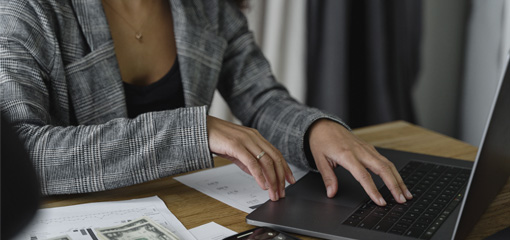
(242, 145)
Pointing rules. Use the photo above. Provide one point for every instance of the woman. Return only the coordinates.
(112, 93)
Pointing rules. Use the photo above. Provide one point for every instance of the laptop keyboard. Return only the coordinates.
(436, 189)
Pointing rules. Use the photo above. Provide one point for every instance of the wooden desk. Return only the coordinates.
(193, 208)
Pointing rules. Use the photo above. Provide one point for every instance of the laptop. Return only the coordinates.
(450, 195)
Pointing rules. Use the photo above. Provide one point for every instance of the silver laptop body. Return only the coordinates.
(306, 210)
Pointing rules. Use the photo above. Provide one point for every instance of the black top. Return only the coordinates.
(165, 94)
(20, 186)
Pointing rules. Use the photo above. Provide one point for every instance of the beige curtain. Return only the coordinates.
(487, 47)
(279, 29)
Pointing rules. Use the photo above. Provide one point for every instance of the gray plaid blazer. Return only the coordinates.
(61, 86)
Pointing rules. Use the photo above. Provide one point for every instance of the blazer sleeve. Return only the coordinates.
(87, 158)
(249, 88)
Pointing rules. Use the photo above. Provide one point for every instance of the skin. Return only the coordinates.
(146, 62)
(143, 63)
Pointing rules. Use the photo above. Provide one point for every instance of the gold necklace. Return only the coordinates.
(138, 33)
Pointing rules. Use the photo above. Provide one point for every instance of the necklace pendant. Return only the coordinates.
(138, 36)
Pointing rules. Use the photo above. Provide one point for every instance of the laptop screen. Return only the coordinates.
(492, 166)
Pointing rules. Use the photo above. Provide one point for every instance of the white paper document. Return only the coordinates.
(230, 185)
(79, 221)
(211, 231)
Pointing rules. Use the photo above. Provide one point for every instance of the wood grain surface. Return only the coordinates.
(193, 208)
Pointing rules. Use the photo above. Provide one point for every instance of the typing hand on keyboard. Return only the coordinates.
(437, 191)
(332, 144)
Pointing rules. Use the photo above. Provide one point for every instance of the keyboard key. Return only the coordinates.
(354, 219)
(425, 220)
(369, 222)
(420, 205)
(407, 220)
(383, 226)
(416, 210)
(425, 201)
(361, 212)
(397, 230)
(352, 222)
(402, 224)
(433, 211)
(420, 173)
(414, 232)
(411, 215)
(396, 214)
(400, 208)
(426, 166)
(382, 209)
(379, 214)
(427, 234)
(390, 219)
(441, 183)
(419, 225)
(457, 183)
(437, 205)
(368, 206)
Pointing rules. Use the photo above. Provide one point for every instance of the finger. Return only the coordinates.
(271, 175)
(401, 183)
(277, 155)
(250, 162)
(289, 175)
(383, 168)
(328, 176)
(279, 170)
(265, 162)
(286, 172)
(360, 173)
(280, 167)
(283, 171)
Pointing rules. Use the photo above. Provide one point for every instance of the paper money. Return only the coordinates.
(65, 237)
(142, 228)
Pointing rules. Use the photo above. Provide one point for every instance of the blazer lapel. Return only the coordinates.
(200, 51)
(95, 83)
(93, 22)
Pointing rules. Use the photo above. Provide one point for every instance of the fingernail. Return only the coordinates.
(381, 201)
(329, 191)
(282, 193)
(293, 179)
(276, 195)
(409, 194)
(402, 198)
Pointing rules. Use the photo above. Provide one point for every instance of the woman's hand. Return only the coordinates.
(332, 144)
(252, 153)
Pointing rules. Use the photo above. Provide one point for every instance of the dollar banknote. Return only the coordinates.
(142, 228)
(65, 237)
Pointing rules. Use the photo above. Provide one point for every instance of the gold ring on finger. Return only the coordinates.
(261, 154)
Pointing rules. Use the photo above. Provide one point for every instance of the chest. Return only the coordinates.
(88, 65)
(145, 49)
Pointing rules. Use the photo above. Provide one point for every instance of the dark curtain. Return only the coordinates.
(363, 58)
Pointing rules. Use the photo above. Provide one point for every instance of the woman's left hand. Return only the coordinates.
(332, 144)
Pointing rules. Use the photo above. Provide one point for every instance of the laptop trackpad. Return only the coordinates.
(350, 193)
(320, 217)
